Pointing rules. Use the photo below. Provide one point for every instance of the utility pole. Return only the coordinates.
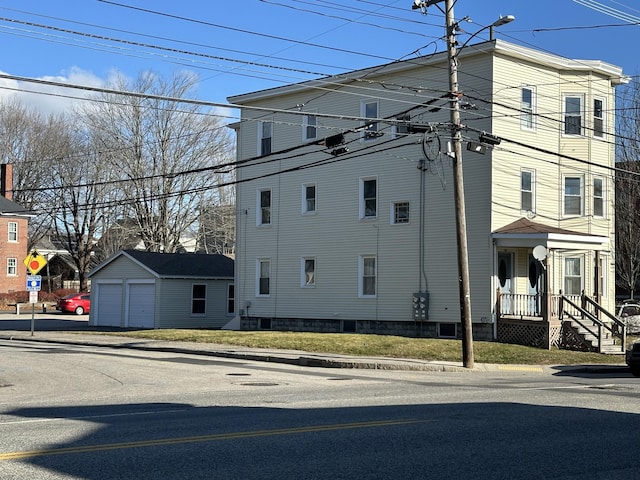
(458, 182)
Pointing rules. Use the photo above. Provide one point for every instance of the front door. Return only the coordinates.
(505, 280)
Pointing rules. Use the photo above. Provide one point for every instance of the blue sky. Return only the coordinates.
(234, 45)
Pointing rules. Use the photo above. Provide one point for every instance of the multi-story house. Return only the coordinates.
(345, 205)
(14, 235)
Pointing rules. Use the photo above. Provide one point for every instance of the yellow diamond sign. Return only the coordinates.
(35, 262)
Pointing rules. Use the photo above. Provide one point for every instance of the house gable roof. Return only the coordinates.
(9, 208)
(529, 232)
(524, 225)
(177, 265)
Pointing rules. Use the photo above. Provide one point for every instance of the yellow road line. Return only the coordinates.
(520, 369)
(202, 438)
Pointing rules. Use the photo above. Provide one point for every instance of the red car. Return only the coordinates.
(78, 303)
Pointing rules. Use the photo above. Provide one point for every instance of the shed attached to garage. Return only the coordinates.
(137, 289)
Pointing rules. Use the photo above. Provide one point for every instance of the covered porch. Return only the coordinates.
(541, 274)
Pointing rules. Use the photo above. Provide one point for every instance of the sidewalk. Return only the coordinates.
(290, 357)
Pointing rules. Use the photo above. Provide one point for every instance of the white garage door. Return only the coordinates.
(141, 305)
(109, 311)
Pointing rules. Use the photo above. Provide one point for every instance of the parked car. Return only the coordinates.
(629, 313)
(78, 303)
(633, 358)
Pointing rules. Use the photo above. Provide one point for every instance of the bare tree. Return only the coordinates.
(628, 187)
(165, 152)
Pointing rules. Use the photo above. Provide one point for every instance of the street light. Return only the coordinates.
(458, 183)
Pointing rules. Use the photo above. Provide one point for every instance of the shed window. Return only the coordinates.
(199, 299)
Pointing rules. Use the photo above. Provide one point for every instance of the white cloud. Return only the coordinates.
(51, 99)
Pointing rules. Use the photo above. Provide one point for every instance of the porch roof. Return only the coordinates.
(526, 233)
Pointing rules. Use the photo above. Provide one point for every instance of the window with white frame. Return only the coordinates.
(310, 127)
(12, 267)
(264, 277)
(199, 298)
(402, 127)
(527, 108)
(399, 213)
(598, 118)
(573, 196)
(368, 274)
(265, 137)
(308, 272)
(264, 207)
(572, 276)
(13, 231)
(369, 109)
(231, 299)
(308, 198)
(368, 197)
(598, 197)
(573, 115)
(527, 191)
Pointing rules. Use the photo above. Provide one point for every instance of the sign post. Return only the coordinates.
(34, 283)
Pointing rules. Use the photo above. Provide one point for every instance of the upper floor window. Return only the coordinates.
(12, 267)
(310, 127)
(399, 212)
(308, 272)
(13, 231)
(369, 109)
(598, 118)
(264, 207)
(309, 198)
(199, 298)
(573, 196)
(368, 198)
(527, 108)
(598, 197)
(265, 137)
(264, 277)
(573, 115)
(527, 191)
(368, 274)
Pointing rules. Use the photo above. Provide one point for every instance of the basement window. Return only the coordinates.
(447, 330)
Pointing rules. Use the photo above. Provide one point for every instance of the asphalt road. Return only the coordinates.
(71, 412)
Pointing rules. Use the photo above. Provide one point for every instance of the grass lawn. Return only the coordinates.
(381, 346)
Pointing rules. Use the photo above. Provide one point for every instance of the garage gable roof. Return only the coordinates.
(178, 265)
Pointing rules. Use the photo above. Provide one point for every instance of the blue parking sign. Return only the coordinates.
(34, 283)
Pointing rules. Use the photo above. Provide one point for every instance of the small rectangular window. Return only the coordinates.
(310, 127)
(12, 267)
(368, 198)
(447, 330)
(368, 273)
(572, 276)
(13, 231)
(198, 299)
(264, 207)
(573, 115)
(265, 137)
(308, 198)
(527, 195)
(527, 108)
(231, 299)
(264, 275)
(572, 196)
(598, 197)
(308, 272)
(370, 110)
(598, 118)
(400, 213)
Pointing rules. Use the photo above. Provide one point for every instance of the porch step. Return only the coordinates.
(608, 346)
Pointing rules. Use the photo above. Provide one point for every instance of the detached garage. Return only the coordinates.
(137, 289)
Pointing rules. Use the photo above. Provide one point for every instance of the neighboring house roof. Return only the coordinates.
(10, 209)
(525, 228)
(177, 265)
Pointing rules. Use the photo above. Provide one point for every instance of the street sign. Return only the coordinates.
(34, 262)
(34, 283)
